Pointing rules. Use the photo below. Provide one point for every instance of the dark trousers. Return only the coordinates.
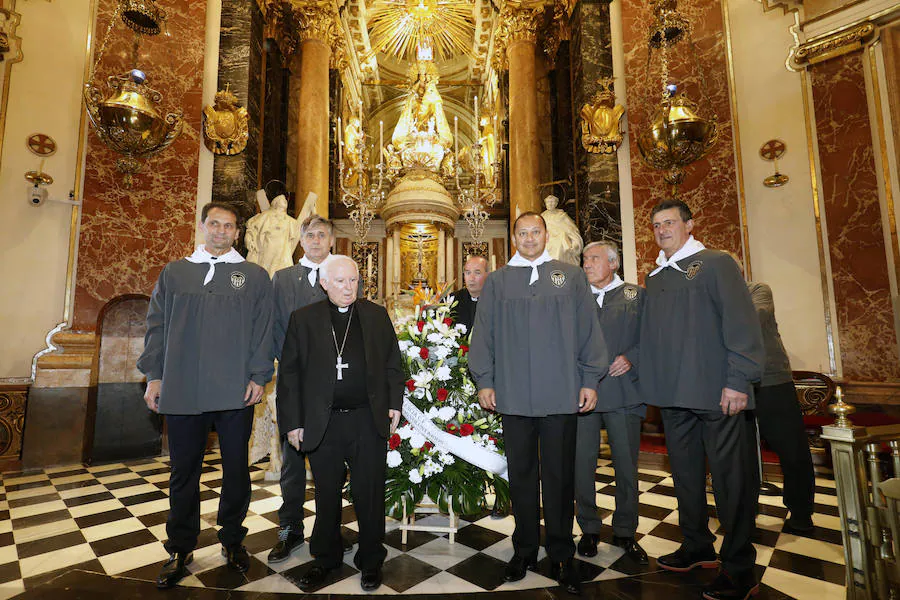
(351, 437)
(624, 431)
(540, 454)
(187, 443)
(293, 488)
(726, 442)
(781, 426)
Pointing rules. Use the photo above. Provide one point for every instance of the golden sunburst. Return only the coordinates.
(398, 27)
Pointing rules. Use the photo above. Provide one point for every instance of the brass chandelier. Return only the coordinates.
(677, 135)
(128, 120)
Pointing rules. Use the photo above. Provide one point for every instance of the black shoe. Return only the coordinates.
(517, 566)
(727, 588)
(348, 545)
(237, 556)
(587, 545)
(288, 541)
(800, 523)
(566, 573)
(371, 579)
(174, 570)
(682, 560)
(497, 512)
(632, 549)
(313, 578)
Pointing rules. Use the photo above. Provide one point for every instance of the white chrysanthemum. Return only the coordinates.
(394, 459)
(435, 338)
(405, 432)
(446, 458)
(404, 345)
(443, 372)
(440, 353)
(445, 413)
(415, 476)
(461, 328)
(432, 412)
(416, 440)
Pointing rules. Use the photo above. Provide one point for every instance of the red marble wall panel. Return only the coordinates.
(710, 188)
(127, 235)
(853, 217)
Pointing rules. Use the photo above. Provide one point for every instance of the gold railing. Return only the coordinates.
(867, 502)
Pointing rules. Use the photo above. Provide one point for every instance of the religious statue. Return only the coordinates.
(352, 153)
(563, 240)
(422, 136)
(272, 235)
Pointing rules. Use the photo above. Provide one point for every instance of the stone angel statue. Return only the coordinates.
(564, 242)
(272, 235)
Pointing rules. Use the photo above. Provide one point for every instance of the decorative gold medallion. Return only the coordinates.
(225, 127)
(693, 269)
(600, 130)
(41, 144)
(238, 280)
(558, 278)
(630, 293)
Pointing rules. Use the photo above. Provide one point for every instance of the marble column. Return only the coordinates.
(317, 31)
(596, 175)
(520, 29)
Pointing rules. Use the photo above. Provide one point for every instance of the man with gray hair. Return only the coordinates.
(619, 407)
(340, 388)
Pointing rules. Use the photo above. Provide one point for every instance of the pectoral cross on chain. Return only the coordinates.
(340, 366)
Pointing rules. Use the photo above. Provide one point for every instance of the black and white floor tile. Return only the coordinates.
(106, 524)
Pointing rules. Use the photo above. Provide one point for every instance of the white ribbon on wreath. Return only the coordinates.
(463, 447)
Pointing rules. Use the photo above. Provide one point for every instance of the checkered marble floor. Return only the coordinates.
(110, 520)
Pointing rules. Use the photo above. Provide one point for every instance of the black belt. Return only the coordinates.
(344, 410)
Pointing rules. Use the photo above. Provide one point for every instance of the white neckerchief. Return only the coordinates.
(691, 246)
(200, 255)
(313, 268)
(601, 293)
(519, 261)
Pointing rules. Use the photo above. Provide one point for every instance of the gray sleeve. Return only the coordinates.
(741, 332)
(260, 365)
(763, 302)
(634, 340)
(481, 342)
(593, 355)
(152, 358)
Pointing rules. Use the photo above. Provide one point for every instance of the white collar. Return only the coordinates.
(691, 247)
(201, 255)
(313, 268)
(601, 293)
(519, 261)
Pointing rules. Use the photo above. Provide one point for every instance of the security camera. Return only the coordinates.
(37, 195)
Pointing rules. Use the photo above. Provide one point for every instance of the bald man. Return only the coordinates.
(475, 272)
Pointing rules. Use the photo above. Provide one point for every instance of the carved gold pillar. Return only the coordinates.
(519, 36)
(318, 35)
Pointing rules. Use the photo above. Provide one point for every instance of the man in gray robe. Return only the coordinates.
(619, 407)
(536, 355)
(701, 350)
(207, 357)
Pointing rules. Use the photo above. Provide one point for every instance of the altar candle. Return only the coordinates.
(369, 267)
(340, 142)
(456, 134)
(493, 262)
(380, 137)
(477, 124)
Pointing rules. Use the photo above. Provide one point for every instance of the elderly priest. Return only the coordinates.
(537, 354)
(340, 386)
(207, 356)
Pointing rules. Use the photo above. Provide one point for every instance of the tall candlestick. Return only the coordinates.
(477, 124)
(369, 267)
(456, 134)
(380, 138)
(340, 143)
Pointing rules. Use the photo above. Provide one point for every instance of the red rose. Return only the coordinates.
(448, 321)
(466, 429)
(427, 446)
(423, 352)
(411, 385)
(420, 325)
(492, 438)
(464, 348)
(442, 394)
(451, 427)
(394, 442)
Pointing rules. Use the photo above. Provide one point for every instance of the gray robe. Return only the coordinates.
(292, 292)
(778, 366)
(620, 322)
(207, 342)
(537, 345)
(699, 334)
